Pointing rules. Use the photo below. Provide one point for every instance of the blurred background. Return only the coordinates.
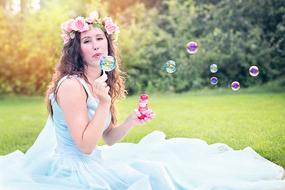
(234, 34)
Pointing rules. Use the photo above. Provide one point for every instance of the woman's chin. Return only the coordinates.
(94, 64)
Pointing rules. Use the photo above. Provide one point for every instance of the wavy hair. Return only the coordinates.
(72, 63)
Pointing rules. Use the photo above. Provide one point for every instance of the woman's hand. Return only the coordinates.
(133, 119)
(101, 90)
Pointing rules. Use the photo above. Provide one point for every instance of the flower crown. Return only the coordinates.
(81, 24)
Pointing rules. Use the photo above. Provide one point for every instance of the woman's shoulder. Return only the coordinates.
(71, 83)
(70, 86)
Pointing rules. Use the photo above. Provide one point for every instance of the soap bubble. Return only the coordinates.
(170, 66)
(107, 63)
(213, 68)
(253, 71)
(235, 86)
(192, 47)
(214, 80)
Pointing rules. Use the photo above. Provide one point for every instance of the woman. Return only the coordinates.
(79, 78)
(81, 103)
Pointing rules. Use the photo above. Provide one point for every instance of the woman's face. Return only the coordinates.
(93, 45)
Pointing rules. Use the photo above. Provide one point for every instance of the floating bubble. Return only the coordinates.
(235, 86)
(107, 63)
(214, 80)
(170, 66)
(253, 71)
(192, 47)
(213, 68)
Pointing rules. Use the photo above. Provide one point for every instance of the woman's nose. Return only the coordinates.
(95, 46)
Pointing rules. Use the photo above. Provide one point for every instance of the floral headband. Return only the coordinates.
(81, 24)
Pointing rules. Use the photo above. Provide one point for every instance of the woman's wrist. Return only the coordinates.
(105, 104)
(129, 123)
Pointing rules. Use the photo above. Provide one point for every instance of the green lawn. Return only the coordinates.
(239, 119)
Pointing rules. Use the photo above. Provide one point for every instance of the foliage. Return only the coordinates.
(232, 34)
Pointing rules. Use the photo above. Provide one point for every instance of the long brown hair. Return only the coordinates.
(71, 63)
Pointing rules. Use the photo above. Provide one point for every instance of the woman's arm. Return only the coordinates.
(114, 134)
(71, 97)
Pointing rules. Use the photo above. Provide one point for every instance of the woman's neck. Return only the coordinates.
(92, 73)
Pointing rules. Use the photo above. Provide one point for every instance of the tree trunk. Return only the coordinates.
(24, 6)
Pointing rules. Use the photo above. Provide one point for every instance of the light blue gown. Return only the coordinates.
(55, 162)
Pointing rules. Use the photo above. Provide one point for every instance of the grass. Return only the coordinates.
(239, 119)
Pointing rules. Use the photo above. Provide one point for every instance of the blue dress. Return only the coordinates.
(155, 163)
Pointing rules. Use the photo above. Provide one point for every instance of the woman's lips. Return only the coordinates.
(97, 55)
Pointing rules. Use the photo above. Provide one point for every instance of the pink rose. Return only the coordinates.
(80, 25)
(65, 38)
(66, 26)
(110, 26)
(93, 16)
(89, 20)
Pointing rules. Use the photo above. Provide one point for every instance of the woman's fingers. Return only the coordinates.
(137, 113)
(102, 78)
(100, 85)
(107, 88)
(145, 115)
(101, 88)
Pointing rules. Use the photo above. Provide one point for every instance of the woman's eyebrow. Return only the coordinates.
(97, 35)
(85, 37)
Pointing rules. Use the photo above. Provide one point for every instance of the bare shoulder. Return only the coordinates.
(71, 90)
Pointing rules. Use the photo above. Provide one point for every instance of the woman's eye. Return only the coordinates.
(99, 38)
(86, 41)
